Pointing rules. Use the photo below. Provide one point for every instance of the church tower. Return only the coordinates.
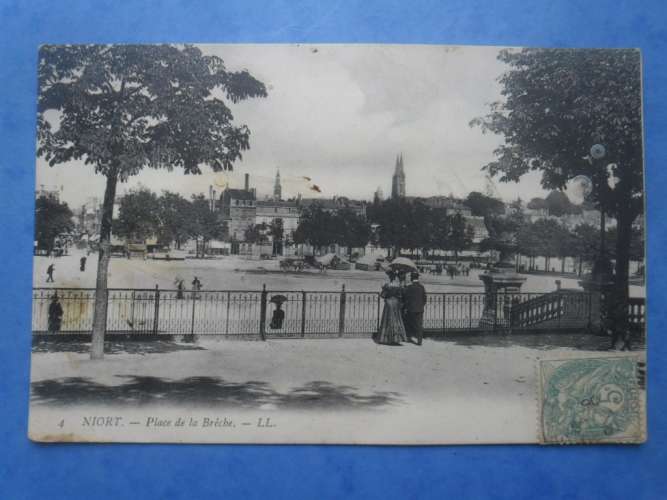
(398, 179)
(277, 188)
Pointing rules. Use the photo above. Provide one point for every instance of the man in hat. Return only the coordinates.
(55, 314)
(414, 298)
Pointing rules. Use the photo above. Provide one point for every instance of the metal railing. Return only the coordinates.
(251, 314)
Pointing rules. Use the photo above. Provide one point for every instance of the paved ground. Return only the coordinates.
(331, 390)
(237, 273)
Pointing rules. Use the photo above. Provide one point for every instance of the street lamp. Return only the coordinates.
(602, 268)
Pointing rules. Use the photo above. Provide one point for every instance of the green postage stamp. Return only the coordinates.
(590, 400)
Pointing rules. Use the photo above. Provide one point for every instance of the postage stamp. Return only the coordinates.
(590, 400)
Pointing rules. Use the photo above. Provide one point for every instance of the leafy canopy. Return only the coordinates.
(557, 103)
(52, 218)
(123, 107)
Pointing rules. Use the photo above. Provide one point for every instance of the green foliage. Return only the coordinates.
(123, 107)
(413, 225)
(557, 104)
(174, 213)
(52, 218)
(277, 229)
(483, 206)
(205, 223)
(315, 227)
(321, 228)
(459, 237)
(138, 215)
(354, 231)
(256, 233)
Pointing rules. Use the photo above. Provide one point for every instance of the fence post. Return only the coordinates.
(262, 312)
(303, 313)
(444, 313)
(341, 316)
(156, 312)
(379, 297)
(495, 310)
(192, 322)
(229, 298)
(470, 311)
(132, 311)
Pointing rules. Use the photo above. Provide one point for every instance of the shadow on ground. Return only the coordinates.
(541, 341)
(204, 391)
(112, 347)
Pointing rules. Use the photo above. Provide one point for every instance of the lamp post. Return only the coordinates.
(599, 282)
(602, 268)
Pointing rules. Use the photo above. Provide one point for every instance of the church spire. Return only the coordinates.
(398, 180)
(277, 188)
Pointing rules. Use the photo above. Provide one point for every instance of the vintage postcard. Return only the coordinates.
(366, 244)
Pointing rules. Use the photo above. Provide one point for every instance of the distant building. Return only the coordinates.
(335, 204)
(270, 210)
(398, 179)
(588, 216)
(89, 216)
(450, 204)
(238, 209)
(378, 196)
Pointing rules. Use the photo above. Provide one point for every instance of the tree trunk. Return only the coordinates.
(562, 264)
(101, 291)
(619, 302)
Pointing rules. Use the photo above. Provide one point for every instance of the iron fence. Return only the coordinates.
(243, 314)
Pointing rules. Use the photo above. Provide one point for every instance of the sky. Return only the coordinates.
(339, 115)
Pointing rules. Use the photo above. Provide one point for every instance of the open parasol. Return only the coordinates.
(278, 299)
(403, 264)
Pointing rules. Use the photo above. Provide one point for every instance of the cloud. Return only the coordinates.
(340, 115)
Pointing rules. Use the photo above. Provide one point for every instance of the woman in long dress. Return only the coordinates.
(392, 330)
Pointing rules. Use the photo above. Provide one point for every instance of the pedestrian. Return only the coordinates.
(181, 287)
(196, 287)
(49, 272)
(414, 299)
(55, 314)
(82, 263)
(391, 330)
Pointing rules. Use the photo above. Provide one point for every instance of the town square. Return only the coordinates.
(337, 240)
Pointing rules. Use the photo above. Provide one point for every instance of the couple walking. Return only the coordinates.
(403, 313)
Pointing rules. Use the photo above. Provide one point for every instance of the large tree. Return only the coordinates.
(397, 225)
(52, 218)
(558, 103)
(315, 227)
(460, 236)
(175, 214)
(120, 108)
(483, 206)
(205, 224)
(138, 215)
(355, 231)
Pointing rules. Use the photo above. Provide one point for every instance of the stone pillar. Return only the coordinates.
(500, 283)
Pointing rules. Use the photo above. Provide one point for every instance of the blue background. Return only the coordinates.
(29, 470)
